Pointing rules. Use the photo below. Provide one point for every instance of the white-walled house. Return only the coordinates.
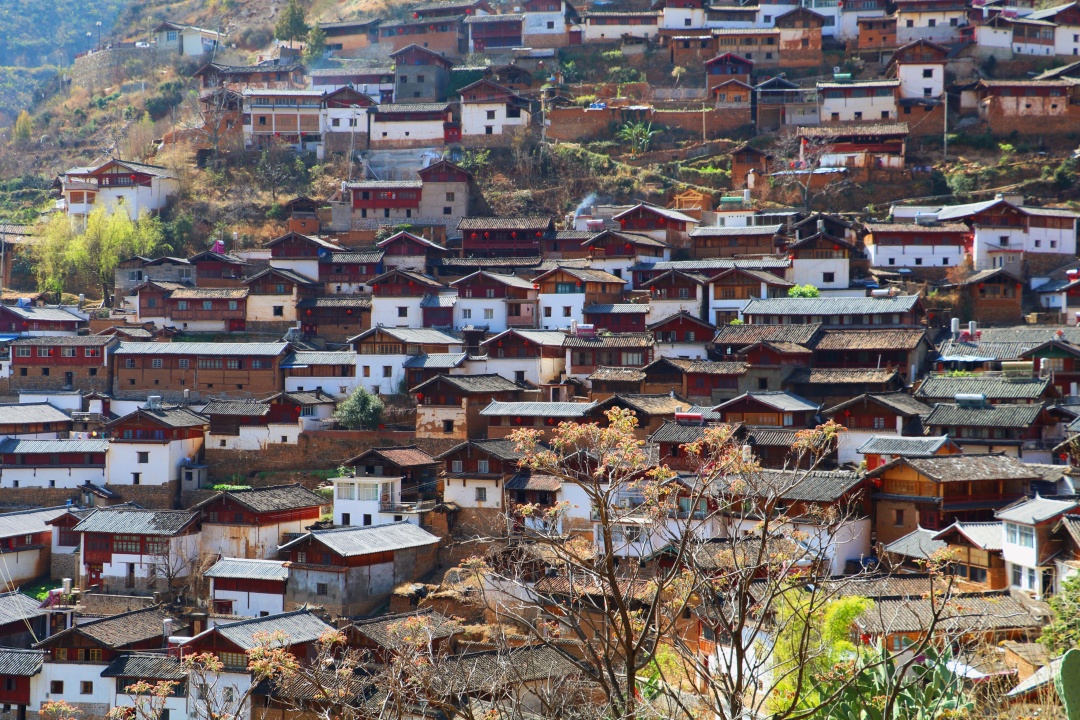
(136, 187)
(25, 542)
(186, 40)
(248, 587)
(397, 297)
(859, 101)
(253, 522)
(382, 352)
(53, 463)
(364, 500)
(488, 108)
(545, 23)
(1027, 547)
(125, 549)
(821, 260)
(485, 299)
(131, 668)
(154, 444)
(535, 356)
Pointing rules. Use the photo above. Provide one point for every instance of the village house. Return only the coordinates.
(199, 309)
(494, 32)
(397, 298)
(185, 40)
(939, 21)
(920, 68)
(617, 317)
(174, 370)
(216, 268)
(564, 293)
(1014, 387)
(134, 271)
(1021, 431)
(448, 406)
(777, 409)
(347, 37)
(33, 421)
(993, 295)
(66, 463)
(505, 236)
(474, 475)
(535, 357)
(868, 416)
(821, 260)
(273, 74)
(934, 492)
(273, 296)
(279, 419)
(351, 570)
(335, 318)
(585, 353)
(613, 26)
(345, 116)
(490, 109)
(1028, 544)
(411, 124)
(829, 386)
(125, 548)
(19, 670)
(889, 311)
(332, 372)
(252, 523)
(34, 321)
(138, 188)
(976, 549)
(663, 224)
(675, 292)
(882, 449)
(495, 301)
(25, 544)
(382, 352)
(1066, 18)
(295, 632)
(731, 241)
(682, 335)
(349, 272)
(291, 117)
(403, 250)
(506, 417)
(1010, 105)
(730, 289)
(922, 244)
(434, 26)
(155, 444)
(62, 362)
(248, 588)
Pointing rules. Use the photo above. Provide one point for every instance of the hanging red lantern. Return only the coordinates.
(416, 16)
(419, 397)
(308, 312)
(536, 286)
(487, 235)
(628, 247)
(513, 233)
(133, 178)
(474, 236)
(349, 311)
(518, 420)
(411, 283)
(499, 343)
(835, 247)
(982, 285)
(578, 283)
(375, 286)
(538, 233)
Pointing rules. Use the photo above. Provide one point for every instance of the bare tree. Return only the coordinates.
(214, 119)
(805, 167)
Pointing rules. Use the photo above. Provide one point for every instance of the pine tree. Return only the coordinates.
(291, 24)
(316, 45)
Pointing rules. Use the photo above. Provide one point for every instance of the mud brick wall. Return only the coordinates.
(923, 121)
(162, 497)
(572, 123)
(101, 381)
(1033, 123)
(716, 121)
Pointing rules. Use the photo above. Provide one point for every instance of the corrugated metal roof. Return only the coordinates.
(831, 305)
(778, 399)
(538, 409)
(1035, 510)
(201, 348)
(948, 415)
(435, 361)
(248, 569)
(28, 522)
(127, 521)
(299, 626)
(903, 446)
(20, 413)
(15, 662)
(352, 541)
(43, 314)
(618, 309)
(17, 446)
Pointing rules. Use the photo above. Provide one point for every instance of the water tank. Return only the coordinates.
(153, 402)
(955, 326)
(880, 293)
(970, 399)
(66, 584)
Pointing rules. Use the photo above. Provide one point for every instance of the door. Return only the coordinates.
(575, 37)
(69, 379)
(237, 325)
(94, 573)
(131, 575)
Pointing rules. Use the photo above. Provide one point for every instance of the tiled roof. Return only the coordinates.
(618, 309)
(919, 544)
(362, 302)
(501, 449)
(246, 569)
(15, 662)
(993, 386)
(128, 521)
(899, 402)
(964, 468)
(884, 339)
(305, 358)
(533, 223)
(611, 340)
(917, 228)
(898, 585)
(985, 535)
(827, 306)
(504, 278)
(848, 129)
(271, 499)
(679, 433)
(383, 630)
(740, 335)
(967, 613)
(439, 300)
(490, 383)
(540, 483)
(779, 399)
(841, 376)
(417, 336)
(735, 231)
(237, 408)
(287, 274)
(647, 404)
(617, 374)
(28, 522)
(584, 274)
(1035, 510)
(364, 257)
(68, 340)
(174, 416)
(43, 314)
(770, 436)
(384, 184)
(201, 348)
(352, 541)
(205, 293)
(474, 19)
(764, 262)
(404, 108)
(744, 552)
(402, 456)
(308, 397)
(550, 338)
(903, 446)
(435, 361)
(118, 631)
(146, 666)
(817, 486)
(484, 672)
(948, 415)
(17, 446)
(297, 627)
(20, 413)
(17, 607)
(538, 409)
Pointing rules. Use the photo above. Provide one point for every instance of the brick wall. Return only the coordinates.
(317, 450)
(340, 141)
(64, 565)
(717, 121)
(922, 123)
(56, 379)
(1034, 124)
(572, 123)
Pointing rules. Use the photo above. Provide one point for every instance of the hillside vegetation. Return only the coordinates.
(51, 32)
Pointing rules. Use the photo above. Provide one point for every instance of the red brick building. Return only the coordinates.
(59, 362)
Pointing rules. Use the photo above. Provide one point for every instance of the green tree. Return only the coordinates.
(638, 135)
(804, 291)
(316, 46)
(24, 128)
(51, 265)
(1063, 632)
(280, 169)
(109, 238)
(291, 24)
(361, 410)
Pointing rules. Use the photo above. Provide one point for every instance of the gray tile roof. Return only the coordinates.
(883, 339)
(17, 446)
(439, 300)
(611, 340)
(965, 468)
(828, 306)
(842, 376)
(501, 449)
(128, 521)
(771, 436)
(529, 481)
(538, 409)
(617, 374)
(308, 358)
(336, 301)
(646, 404)
(489, 383)
(899, 402)
(949, 415)
(297, 627)
(741, 335)
(968, 613)
(550, 338)
(418, 336)
(1036, 510)
(17, 607)
(383, 630)
(122, 630)
(236, 408)
(20, 663)
(19, 413)
(308, 397)
(985, 535)
(994, 387)
(201, 348)
(618, 308)
(778, 399)
(146, 666)
(246, 569)
(435, 361)
(174, 416)
(28, 522)
(735, 231)
(919, 545)
(765, 262)
(402, 108)
(351, 541)
(43, 314)
(818, 486)
(68, 340)
(270, 499)
(679, 433)
(536, 223)
(903, 446)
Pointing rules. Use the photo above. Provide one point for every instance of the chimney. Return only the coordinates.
(821, 225)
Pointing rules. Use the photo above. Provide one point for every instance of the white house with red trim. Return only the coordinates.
(137, 187)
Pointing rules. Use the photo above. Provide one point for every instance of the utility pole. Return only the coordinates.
(704, 137)
(945, 134)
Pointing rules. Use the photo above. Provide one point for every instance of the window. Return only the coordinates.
(233, 660)
(489, 130)
(144, 458)
(207, 304)
(1031, 578)
(928, 73)
(183, 364)
(366, 371)
(279, 311)
(448, 426)
(828, 277)
(932, 22)
(346, 491)
(455, 466)
(481, 494)
(489, 314)
(403, 312)
(898, 518)
(490, 114)
(547, 312)
(22, 351)
(67, 352)
(321, 589)
(387, 371)
(633, 358)
(482, 466)
(86, 687)
(566, 311)
(233, 305)
(56, 687)
(156, 363)
(466, 314)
